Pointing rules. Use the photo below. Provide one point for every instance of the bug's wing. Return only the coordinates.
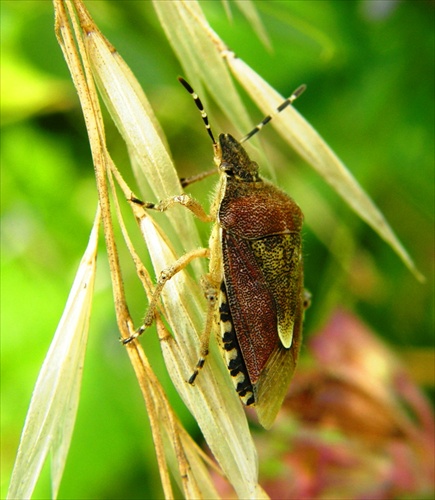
(251, 303)
(273, 383)
(280, 259)
(265, 293)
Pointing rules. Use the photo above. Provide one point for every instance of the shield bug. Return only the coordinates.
(254, 286)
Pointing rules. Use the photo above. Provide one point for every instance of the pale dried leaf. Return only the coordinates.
(132, 113)
(53, 408)
(292, 126)
(310, 145)
(199, 58)
(249, 10)
(198, 483)
(112, 71)
(226, 430)
(232, 446)
(212, 400)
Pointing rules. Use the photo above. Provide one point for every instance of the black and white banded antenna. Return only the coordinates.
(189, 180)
(300, 90)
(198, 105)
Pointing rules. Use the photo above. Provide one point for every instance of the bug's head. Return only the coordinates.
(231, 158)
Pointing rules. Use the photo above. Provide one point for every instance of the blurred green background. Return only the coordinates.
(369, 67)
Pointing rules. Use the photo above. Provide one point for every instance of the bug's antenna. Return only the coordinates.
(198, 105)
(281, 107)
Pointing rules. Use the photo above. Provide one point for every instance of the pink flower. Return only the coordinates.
(354, 425)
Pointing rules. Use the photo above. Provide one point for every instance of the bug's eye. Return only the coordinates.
(227, 168)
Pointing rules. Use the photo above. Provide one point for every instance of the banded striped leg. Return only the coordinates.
(210, 294)
(183, 199)
(187, 181)
(164, 277)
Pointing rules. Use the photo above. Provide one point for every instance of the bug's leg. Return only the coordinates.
(164, 277)
(183, 199)
(187, 181)
(210, 293)
(307, 299)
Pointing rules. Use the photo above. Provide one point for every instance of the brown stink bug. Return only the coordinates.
(254, 286)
